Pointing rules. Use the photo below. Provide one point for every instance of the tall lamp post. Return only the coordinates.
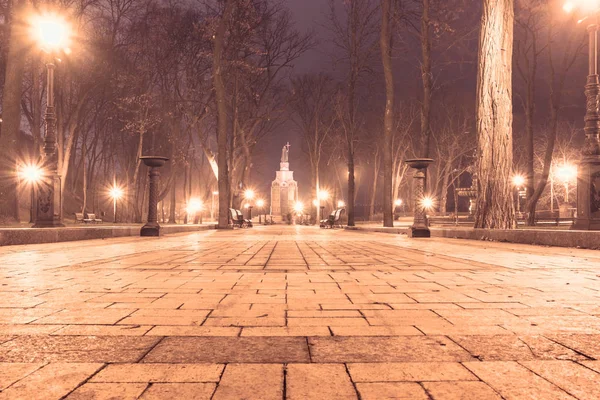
(518, 181)
(115, 193)
(51, 31)
(249, 196)
(588, 174)
(32, 175)
(260, 203)
(323, 196)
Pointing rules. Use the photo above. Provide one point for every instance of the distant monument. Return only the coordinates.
(284, 189)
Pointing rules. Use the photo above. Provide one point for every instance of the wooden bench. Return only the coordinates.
(91, 219)
(237, 219)
(79, 218)
(333, 220)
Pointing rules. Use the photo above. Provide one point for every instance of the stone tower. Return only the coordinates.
(284, 189)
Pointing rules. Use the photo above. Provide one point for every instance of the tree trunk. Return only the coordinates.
(84, 177)
(388, 118)
(220, 98)
(426, 78)
(173, 199)
(376, 166)
(11, 115)
(495, 207)
(351, 187)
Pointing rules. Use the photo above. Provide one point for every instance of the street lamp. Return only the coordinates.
(260, 203)
(566, 173)
(249, 196)
(322, 195)
(51, 32)
(115, 193)
(518, 181)
(397, 203)
(32, 175)
(194, 206)
(588, 176)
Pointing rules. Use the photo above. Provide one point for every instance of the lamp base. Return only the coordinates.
(419, 232)
(150, 229)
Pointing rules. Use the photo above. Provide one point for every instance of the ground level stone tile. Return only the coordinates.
(460, 391)
(50, 382)
(447, 329)
(381, 349)
(586, 344)
(409, 372)
(108, 391)
(251, 381)
(12, 372)
(575, 379)
(102, 316)
(76, 349)
(238, 321)
(165, 373)
(286, 331)
(177, 391)
(595, 365)
(514, 348)
(103, 330)
(375, 331)
(513, 381)
(318, 382)
(353, 322)
(29, 329)
(391, 390)
(193, 331)
(230, 349)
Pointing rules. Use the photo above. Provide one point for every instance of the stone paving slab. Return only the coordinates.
(284, 312)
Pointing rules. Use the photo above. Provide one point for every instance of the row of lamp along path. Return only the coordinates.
(52, 32)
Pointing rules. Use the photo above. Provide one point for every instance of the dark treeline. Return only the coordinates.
(206, 83)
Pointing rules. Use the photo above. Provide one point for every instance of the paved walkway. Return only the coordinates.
(298, 313)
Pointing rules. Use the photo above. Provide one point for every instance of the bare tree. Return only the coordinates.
(388, 118)
(311, 103)
(220, 98)
(355, 36)
(495, 207)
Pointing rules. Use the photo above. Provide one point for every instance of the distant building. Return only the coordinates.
(284, 189)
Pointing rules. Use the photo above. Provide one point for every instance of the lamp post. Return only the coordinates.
(260, 203)
(420, 226)
(518, 181)
(588, 174)
(51, 31)
(397, 203)
(566, 173)
(322, 196)
(116, 193)
(32, 175)
(249, 196)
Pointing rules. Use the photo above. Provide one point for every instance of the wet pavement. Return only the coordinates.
(284, 312)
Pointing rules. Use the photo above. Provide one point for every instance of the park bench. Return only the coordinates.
(237, 219)
(91, 219)
(79, 218)
(333, 220)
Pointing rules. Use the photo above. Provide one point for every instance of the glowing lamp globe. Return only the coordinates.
(249, 194)
(116, 192)
(299, 207)
(51, 31)
(31, 173)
